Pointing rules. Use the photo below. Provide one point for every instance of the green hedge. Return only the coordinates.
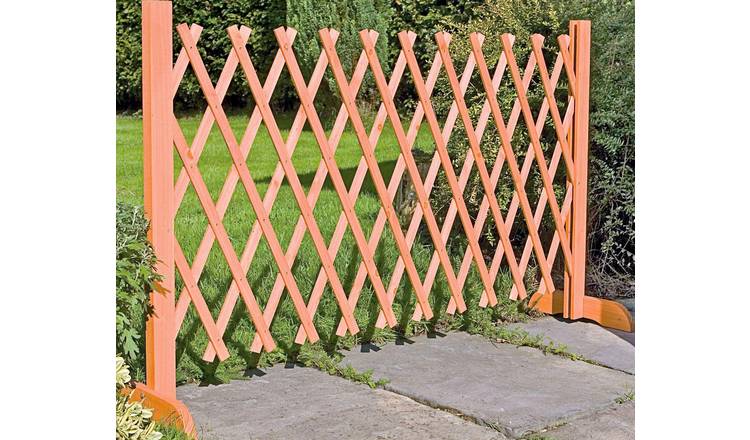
(215, 16)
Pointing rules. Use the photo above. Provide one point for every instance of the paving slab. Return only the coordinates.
(615, 423)
(304, 403)
(587, 339)
(515, 390)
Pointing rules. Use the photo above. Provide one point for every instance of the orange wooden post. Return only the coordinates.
(158, 190)
(572, 302)
(580, 32)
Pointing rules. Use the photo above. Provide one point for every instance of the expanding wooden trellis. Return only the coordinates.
(163, 194)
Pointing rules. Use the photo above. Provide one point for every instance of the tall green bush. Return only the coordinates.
(348, 17)
(135, 278)
(262, 16)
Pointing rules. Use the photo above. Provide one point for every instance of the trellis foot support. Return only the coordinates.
(606, 313)
(166, 409)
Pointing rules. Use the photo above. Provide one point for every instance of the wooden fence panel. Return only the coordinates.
(163, 194)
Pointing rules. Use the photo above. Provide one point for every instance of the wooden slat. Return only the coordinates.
(429, 182)
(354, 189)
(582, 41)
(368, 153)
(525, 170)
(566, 52)
(555, 244)
(447, 165)
(334, 172)
(542, 202)
(200, 303)
(181, 64)
(293, 179)
(247, 182)
(269, 198)
(494, 175)
(541, 162)
(481, 165)
(207, 121)
(549, 92)
(204, 197)
(312, 196)
(416, 179)
(393, 185)
(507, 149)
(230, 183)
(157, 191)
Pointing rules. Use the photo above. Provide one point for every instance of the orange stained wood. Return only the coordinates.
(549, 92)
(526, 168)
(163, 194)
(315, 189)
(157, 190)
(358, 180)
(367, 151)
(269, 198)
(250, 188)
(541, 162)
(476, 151)
(602, 311)
(429, 182)
(230, 183)
(581, 32)
(463, 180)
(294, 182)
(495, 176)
(200, 304)
(222, 237)
(166, 409)
(415, 177)
(506, 146)
(445, 160)
(334, 172)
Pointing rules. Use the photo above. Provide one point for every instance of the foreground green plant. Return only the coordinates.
(132, 419)
(135, 278)
(171, 432)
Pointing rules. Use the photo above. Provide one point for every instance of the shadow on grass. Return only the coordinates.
(347, 174)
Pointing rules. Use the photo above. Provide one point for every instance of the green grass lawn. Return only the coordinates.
(191, 223)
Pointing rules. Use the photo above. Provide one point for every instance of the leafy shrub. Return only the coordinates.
(425, 18)
(214, 45)
(135, 279)
(612, 123)
(132, 419)
(348, 17)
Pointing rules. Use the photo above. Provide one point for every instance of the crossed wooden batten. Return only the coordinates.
(164, 194)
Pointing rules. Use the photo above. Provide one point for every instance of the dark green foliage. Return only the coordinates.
(427, 17)
(262, 16)
(348, 17)
(612, 164)
(135, 279)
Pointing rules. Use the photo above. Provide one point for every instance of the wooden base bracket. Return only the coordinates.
(166, 409)
(605, 312)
